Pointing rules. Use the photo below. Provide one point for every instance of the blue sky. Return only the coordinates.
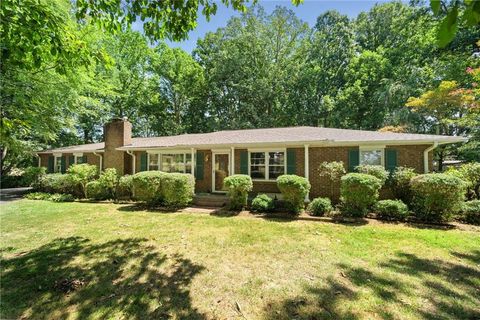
(308, 12)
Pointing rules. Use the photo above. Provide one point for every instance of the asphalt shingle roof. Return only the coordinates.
(288, 135)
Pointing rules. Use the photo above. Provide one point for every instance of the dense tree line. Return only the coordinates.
(62, 78)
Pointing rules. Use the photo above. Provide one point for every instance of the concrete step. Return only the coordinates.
(210, 200)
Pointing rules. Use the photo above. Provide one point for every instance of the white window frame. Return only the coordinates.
(372, 148)
(76, 156)
(160, 156)
(55, 157)
(267, 162)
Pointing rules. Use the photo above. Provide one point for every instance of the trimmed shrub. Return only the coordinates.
(319, 207)
(333, 171)
(38, 196)
(294, 190)
(32, 175)
(373, 170)
(437, 196)
(391, 210)
(471, 212)
(61, 197)
(125, 188)
(263, 203)
(400, 183)
(470, 173)
(58, 183)
(238, 185)
(82, 174)
(108, 180)
(358, 192)
(177, 189)
(96, 191)
(147, 186)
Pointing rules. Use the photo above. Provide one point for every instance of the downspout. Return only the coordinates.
(39, 160)
(134, 160)
(425, 156)
(101, 161)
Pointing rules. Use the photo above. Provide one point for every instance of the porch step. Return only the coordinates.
(210, 200)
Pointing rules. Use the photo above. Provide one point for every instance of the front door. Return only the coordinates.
(220, 170)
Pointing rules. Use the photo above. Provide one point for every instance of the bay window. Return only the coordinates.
(267, 165)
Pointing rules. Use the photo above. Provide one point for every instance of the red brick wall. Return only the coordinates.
(117, 133)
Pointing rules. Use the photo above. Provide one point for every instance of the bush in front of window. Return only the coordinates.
(238, 185)
(437, 196)
(177, 189)
(81, 174)
(333, 171)
(147, 186)
(294, 190)
(319, 207)
(262, 204)
(471, 212)
(358, 192)
(391, 210)
(124, 189)
(400, 183)
(58, 183)
(373, 170)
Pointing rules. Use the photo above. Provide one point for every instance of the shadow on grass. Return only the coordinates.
(116, 279)
(142, 207)
(435, 289)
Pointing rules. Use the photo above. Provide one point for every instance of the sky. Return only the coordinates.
(308, 12)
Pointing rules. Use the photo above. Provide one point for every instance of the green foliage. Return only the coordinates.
(391, 210)
(94, 190)
(470, 173)
(437, 196)
(58, 183)
(359, 192)
(471, 212)
(125, 188)
(294, 190)
(400, 183)
(177, 189)
(31, 175)
(333, 170)
(61, 197)
(373, 170)
(81, 174)
(108, 181)
(38, 196)
(147, 186)
(320, 207)
(238, 185)
(263, 203)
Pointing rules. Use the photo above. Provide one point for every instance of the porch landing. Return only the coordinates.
(212, 200)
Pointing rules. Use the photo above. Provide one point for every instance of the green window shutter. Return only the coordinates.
(199, 165)
(71, 160)
(51, 164)
(84, 159)
(353, 159)
(390, 159)
(143, 161)
(64, 167)
(244, 162)
(291, 161)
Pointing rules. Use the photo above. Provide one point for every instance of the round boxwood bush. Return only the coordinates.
(238, 185)
(294, 190)
(358, 192)
(471, 212)
(96, 191)
(400, 183)
(391, 210)
(437, 196)
(177, 189)
(147, 186)
(124, 188)
(263, 203)
(373, 170)
(319, 207)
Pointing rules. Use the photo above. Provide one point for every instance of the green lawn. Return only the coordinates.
(129, 264)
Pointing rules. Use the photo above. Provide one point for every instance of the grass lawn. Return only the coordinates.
(84, 260)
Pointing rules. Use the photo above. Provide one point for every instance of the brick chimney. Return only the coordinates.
(117, 133)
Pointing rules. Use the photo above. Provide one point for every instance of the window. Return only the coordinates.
(267, 165)
(175, 162)
(79, 159)
(153, 161)
(58, 164)
(372, 156)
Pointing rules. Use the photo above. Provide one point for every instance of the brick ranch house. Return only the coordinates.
(264, 154)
